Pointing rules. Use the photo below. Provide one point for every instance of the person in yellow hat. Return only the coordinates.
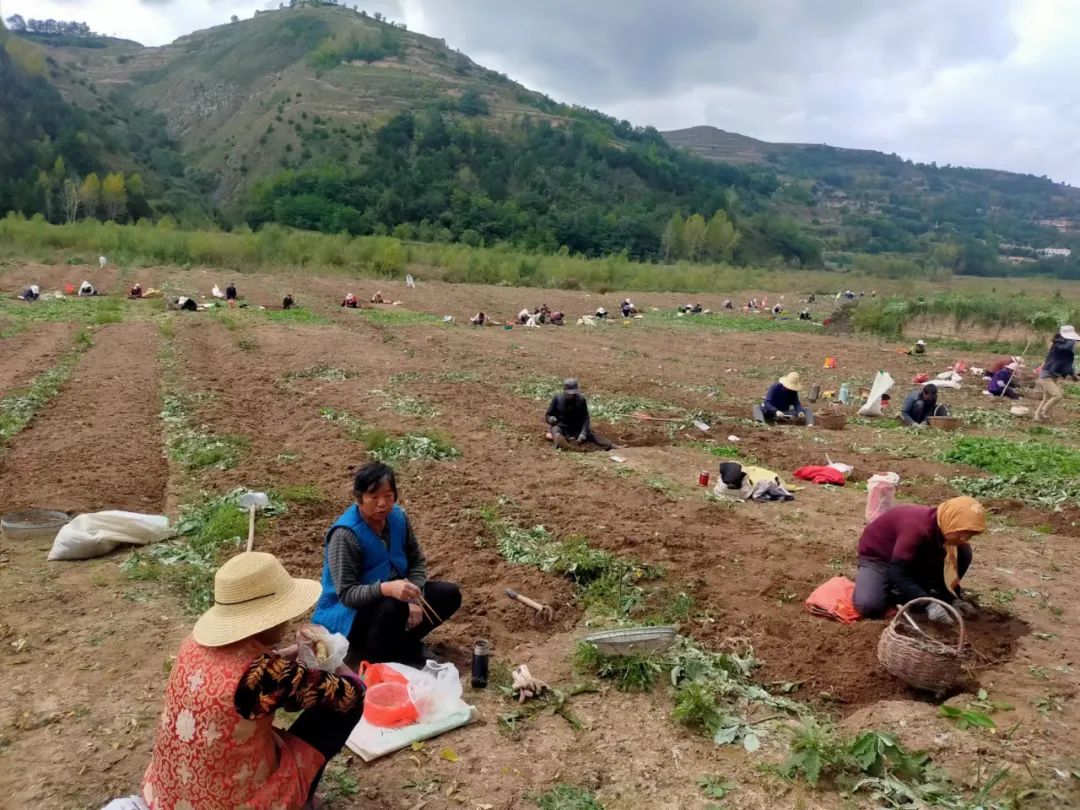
(912, 551)
(216, 747)
(782, 402)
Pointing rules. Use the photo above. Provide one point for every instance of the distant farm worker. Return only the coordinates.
(805, 315)
(377, 298)
(102, 261)
(782, 402)
(1003, 383)
(523, 316)
(911, 551)
(627, 307)
(135, 291)
(31, 293)
(920, 405)
(479, 319)
(558, 318)
(182, 303)
(375, 586)
(288, 302)
(918, 348)
(86, 288)
(811, 298)
(777, 309)
(216, 746)
(1001, 362)
(230, 294)
(1060, 364)
(601, 313)
(350, 301)
(568, 419)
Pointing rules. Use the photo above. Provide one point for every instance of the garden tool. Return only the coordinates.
(543, 611)
(253, 501)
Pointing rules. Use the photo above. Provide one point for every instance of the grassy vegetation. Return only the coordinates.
(887, 316)
(17, 316)
(390, 449)
(396, 316)
(1038, 473)
(19, 407)
(603, 407)
(733, 322)
(300, 493)
(407, 405)
(566, 797)
(298, 317)
(189, 443)
(207, 531)
(323, 371)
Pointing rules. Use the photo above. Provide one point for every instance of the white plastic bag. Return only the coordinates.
(881, 494)
(318, 648)
(882, 383)
(216, 292)
(98, 533)
(436, 691)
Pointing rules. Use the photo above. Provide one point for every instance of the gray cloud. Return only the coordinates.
(971, 82)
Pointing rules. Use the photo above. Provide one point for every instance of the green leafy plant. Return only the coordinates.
(715, 787)
(566, 797)
(323, 371)
(815, 752)
(630, 673)
(967, 718)
(1039, 473)
(388, 448)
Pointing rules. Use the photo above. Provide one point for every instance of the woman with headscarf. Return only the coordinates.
(216, 747)
(1003, 382)
(1060, 364)
(914, 551)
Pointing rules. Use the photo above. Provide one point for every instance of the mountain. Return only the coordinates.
(319, 116)
(867, 201)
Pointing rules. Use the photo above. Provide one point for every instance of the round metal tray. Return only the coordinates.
(631, 640)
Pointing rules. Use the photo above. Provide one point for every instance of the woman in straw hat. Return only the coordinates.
(914, 551)
(1060, 364)
(782, 401)
(216, 746)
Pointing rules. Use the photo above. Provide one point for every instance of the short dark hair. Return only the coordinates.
(930, 388)
(373, 475)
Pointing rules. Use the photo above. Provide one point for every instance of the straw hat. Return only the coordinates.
(791, 381)
(1069, 333)
(252, 593)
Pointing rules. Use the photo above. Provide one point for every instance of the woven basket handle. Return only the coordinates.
(922, 599)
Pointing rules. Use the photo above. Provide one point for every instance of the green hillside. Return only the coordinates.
(862, 201)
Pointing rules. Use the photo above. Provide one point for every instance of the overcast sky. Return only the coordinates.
(988, 83)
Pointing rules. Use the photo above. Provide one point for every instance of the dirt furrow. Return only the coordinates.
(25, 355)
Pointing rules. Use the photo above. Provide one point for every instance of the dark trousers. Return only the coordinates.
(326, 731)
(378, 631)
(874, 593)
(590, 436)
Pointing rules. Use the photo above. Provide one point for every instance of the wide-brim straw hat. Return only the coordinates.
(252, 593)
(792, 381)
(1069, 333)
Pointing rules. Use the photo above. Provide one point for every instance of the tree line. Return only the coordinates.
(64, 28)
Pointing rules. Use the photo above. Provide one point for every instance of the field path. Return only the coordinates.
(25, 355)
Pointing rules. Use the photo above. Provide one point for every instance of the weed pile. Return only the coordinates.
(1038, 473)
(21, 406)
(205, 533)
(323, 371)
(190, 444)
(388, 448)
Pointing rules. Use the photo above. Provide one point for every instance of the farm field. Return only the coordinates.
(158, 412)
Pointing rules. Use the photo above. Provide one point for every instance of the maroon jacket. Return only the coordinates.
(907, 541)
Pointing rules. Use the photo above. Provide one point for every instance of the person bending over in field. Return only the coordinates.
(919, 406)
(911, 551)
(782, 402)
(350, 301)
(374, 579)
(479, 319)
(377, 298)
(31, 293)
(288, 302)
(568, 420)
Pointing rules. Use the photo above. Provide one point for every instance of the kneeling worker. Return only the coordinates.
(914, 551)
(374, 579)
(782, 402)
(920, 406)
(568, 419)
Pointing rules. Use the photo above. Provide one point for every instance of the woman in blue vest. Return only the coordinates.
(374, 574)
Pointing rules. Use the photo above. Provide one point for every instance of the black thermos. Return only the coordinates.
(480, 656)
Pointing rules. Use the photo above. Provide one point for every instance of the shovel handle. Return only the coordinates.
(251, 527)
(524, 600)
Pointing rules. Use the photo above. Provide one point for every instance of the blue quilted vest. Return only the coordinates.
(380, 565)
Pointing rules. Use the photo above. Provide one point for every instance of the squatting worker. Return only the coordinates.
(914, 551)
(1060, 364)
(782, 400)
(568, 419)
(216, 747)
(920, 405)
(374, 574)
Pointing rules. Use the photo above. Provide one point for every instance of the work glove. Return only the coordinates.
(525, 685)
(968, 609)
(937, 614)
(552, 420)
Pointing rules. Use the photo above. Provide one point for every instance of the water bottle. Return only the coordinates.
(480, 658)
(845, 393)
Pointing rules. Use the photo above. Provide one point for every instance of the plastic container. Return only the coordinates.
(374, 674)
(387, 705)
(33, 525)
(881, 494)
(845, 393)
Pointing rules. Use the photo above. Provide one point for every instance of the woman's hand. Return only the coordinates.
(415, 615)
(400, 589)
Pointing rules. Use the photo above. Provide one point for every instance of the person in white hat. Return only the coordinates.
(918, 348)
(782, 402)
(1060, 364)
(216, 747)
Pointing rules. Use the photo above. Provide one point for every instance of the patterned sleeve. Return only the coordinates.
(273, 682)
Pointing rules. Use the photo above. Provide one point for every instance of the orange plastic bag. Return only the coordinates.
(835, 600)
(830, 362)
(374, 674)
(388, 705)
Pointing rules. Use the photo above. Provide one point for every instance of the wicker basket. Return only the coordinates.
(917, 659)
(831, 420)
(945, 422)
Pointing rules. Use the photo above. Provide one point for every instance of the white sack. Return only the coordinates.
(882, 383)
(98, 533)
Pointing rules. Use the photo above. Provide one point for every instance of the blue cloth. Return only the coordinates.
(782, 399)
(1060, 360)
(380, 564)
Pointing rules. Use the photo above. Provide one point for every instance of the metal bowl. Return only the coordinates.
(33, 524)
(631, 640)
